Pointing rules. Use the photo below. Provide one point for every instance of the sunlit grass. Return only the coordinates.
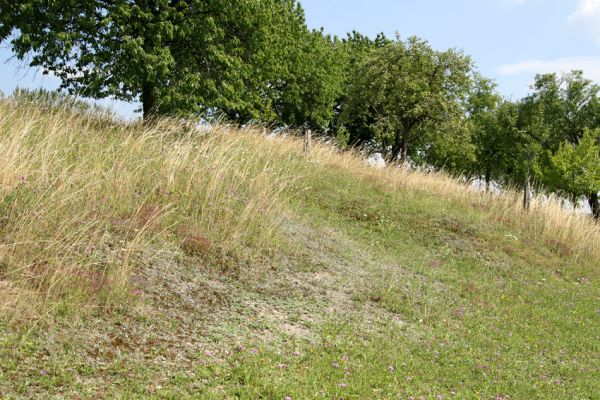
(390, 283)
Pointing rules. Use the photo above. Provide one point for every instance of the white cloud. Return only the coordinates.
(590, 66)
(587, 18)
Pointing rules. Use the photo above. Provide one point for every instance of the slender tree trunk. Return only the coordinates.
(488, 178)
(400, 146)
(405, 137)
(148, 100)
(595, 205)
(527, 193)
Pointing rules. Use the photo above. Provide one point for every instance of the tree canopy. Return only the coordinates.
(407, 86)
(174, 56)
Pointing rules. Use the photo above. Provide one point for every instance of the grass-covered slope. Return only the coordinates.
(171, 262)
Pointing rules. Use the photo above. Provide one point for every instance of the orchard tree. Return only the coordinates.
(494, 132)
(575, 169)
(352, 125)
(305, 93)
(409, 87)
(455, 145)
(448, 146)
(570, 105)
(173, 55)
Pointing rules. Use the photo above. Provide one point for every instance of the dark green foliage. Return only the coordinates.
(191, 56)
(351, 125)
(305, 94)
(404, 89)
(575, 168)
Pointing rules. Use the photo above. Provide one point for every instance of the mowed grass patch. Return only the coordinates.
(505, 314)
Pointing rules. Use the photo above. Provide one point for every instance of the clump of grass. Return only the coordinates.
(83, 196)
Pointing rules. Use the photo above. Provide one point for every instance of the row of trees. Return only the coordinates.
(256, 60)
(551, 138)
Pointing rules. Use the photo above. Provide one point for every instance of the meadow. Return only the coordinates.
(166, 260)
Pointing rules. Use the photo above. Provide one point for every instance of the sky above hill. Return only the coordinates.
(510, 40)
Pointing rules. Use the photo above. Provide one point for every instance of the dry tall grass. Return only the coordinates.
(547, 219)
(83, 198)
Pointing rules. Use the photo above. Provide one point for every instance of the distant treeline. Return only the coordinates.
(257, 61)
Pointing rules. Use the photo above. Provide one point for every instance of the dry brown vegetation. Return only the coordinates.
(83, 197)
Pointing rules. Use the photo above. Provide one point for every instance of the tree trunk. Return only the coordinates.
(148, 100)
(400, 146)
(527, 194)
(404, 155)
(488, 178)
(595, 205)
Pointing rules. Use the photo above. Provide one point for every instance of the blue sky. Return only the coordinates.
(510, 40)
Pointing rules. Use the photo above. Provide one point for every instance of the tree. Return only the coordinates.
(570, 106)
(468, 143)
(576, 169)
(305, 93)
(570, 103)
(352, 125)
(173, 55)
(494, 130)
(409, 87)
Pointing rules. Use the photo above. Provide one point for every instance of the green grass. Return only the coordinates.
(372, 286)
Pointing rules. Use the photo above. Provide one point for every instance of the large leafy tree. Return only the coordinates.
(352, 125)
(409, 87)
(172, 55)
(311, 79)
(467, 143)
(569, 105)
(575, 169)
(494, 122)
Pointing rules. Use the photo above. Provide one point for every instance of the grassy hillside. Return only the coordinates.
(172, 262)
